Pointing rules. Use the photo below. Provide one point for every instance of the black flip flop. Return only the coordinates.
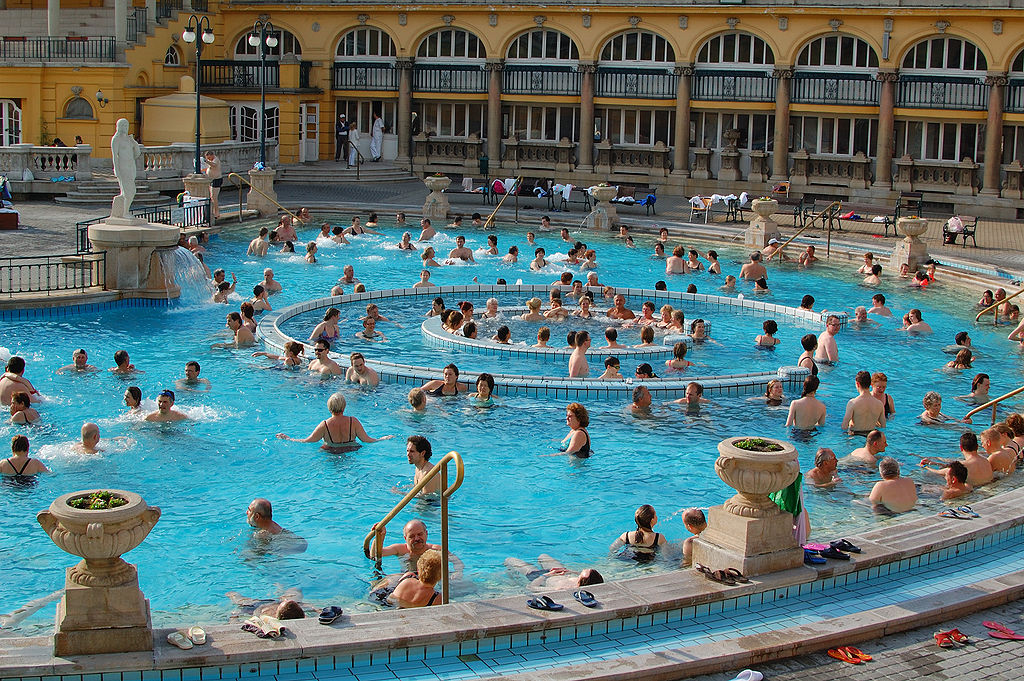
(544, 603)
(835, 554)
(329, 614)
(586, 598)
(845, 545)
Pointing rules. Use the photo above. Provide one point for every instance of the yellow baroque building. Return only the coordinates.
(840, 101)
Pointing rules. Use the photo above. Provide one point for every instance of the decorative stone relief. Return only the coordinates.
(539, 20)
(315, 27)
(887, 25)
(941, 25)
(835, 24)
(492, 19)
(684, 21)
(448, 19)
(996, 80)
(732, 21)
(586, 21)
(783, 23)
(403, 19)
(634, 20)
(363, 18)
(76, 90)
(997, 26)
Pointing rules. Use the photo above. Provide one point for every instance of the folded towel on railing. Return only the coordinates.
(879, 218)
(697, 202)
(743, 198)
(566, 191)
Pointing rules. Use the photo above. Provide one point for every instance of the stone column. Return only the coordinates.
(991, 181)
(681, 151)
(120, 21)
(886, 125)
(494, 68)
(404, 66)
(780, 156)
(588, 69)
(263, 180)
(53, 17)
(150, 15)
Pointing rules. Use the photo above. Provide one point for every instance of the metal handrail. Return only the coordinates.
(440, 468)
(52, 273)
(490, 218)
(995, 306)
(808, 225)
(993, 403)
(233, 176)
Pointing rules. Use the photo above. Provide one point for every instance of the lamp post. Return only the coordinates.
(198, 31)
(262, 36)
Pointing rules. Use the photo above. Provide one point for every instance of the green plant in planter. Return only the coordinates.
(757, 444)
(97, 501)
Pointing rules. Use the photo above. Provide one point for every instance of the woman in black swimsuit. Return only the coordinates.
(449, 386)
(810, 344)
(339, 432)
(19, 465)
(577, 442)
(416, 590)
(878, 383)
(645, 540)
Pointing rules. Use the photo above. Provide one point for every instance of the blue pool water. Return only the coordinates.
(515, 501)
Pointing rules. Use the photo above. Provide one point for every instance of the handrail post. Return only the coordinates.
(445, 579)
(993, 415)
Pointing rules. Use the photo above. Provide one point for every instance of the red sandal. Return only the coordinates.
(841, 654)
(857, 652)
(944, 640)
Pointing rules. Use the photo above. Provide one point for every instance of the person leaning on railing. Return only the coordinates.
(414, 546)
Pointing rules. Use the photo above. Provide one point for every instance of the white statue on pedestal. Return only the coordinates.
(124, 151)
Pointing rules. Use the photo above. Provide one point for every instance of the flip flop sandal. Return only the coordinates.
(737, 575)
(835, 554)
(812, 558)
(952, 513)
(857, 652)
(967, 510)
(943, 640)
(586, 598)
(197, 635)
(722, 577)
(544, 603)
(814, 547)
(703, 569)
(845, 545)
(958, 636)
(329, 614)
(1001, 628)
(841, 654)
(1006, 637)
(176, 638)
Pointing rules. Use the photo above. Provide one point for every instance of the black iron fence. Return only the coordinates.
(195, 214)
(70, 48)
(734, 87)
(365, 76)
(641, 83)
(52, 273)
(964, 94)
(449, 78)
(229, 73)
(137, 18)
(829, 88)
(166, 8)
(541, 80)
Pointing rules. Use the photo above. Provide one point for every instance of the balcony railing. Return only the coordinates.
(227, 73)
(468, 78)
(541, 80)
(733, 87)
(52, 273)
(364, 76)
(963, 94)
(835, 88)
(1015, 96)
(71, 49)
(165, 8)
(136, 24)
(46, 163)
(640, 83)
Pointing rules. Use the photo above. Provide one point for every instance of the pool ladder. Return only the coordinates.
(238, 181)
(439, 469)
(994, 307)
(993, 403)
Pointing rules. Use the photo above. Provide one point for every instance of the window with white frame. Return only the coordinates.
(735, 50)
(640, 127)
(287, 43)
(708, 128)
(943, 55)
(10, 122)
(543, 44)
(360, 43)
(244, 119)
(830, 135)
(940, 141)
(451, 119)
(638, 47)
(451, 43)
(360, 112)
(835, 52)
(172, 57)
(542, 123)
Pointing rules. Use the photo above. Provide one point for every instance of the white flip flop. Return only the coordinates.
(176, 638)
(749, 675)
(197, 635)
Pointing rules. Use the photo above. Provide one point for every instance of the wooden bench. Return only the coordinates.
(970, 229)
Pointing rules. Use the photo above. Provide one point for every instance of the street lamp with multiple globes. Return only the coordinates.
(262, 36)
(198, 25)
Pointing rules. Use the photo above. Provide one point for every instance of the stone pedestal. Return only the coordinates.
(911, 249)
(762, 228)
(139, 256)
(436, 207)
(603, 216)
(197, 185)
(730, 156)
(103, 610)
(748, 531)
(262, 180)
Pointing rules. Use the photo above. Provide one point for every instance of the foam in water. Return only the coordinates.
(189, 274)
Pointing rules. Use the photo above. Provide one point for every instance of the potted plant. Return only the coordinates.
(755, 467)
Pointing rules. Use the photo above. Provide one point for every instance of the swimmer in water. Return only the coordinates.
(322, 362)
(338, 432)
(13, 380)
(768, 339)
(578, 367)
(612, 371)
(932, 413)
(165, 409)
(426, 231)
(192, 381)
(19, 464)
(729, 285)
(22, 411)
(484, 395)
(133, 398)
(676, 263)
(538, 262)
(90, 439)
(243, 337)
(878, 306)
(292, 357)
(678, 361)
(359, 373)
(417, 400)
(512, 256)
(543, 336)
(80, 363)
(122, 364)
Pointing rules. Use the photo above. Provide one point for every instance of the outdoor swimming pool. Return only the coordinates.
(515, 501)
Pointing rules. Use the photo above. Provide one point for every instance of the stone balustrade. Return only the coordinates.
(844, 171)
(178, 160)
(937, 176)
(653, 162)
(448, 154)
(559, 157)
(45, 163)
(1013, 182)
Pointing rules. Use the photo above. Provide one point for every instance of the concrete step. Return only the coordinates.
(232, 215)
(96, 198)
(338, 173)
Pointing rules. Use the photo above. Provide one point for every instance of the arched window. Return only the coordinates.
(736, 49)
(944, 54)
(173, 57)
(451, 43)
(10, 122)
(78, 107)
(365, 42)
(1017, 68)
(287, 43)
(833, 52)
(543, 45)
(638, 46)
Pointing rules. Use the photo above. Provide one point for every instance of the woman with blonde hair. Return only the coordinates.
(338, 432)
(416, 589)
(534, 315)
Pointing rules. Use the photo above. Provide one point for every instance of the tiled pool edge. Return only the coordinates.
(466, 628)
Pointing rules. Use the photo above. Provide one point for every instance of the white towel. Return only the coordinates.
(566, 190)
(878, 218)
(743, 197)
(697, 202)
(715, 198)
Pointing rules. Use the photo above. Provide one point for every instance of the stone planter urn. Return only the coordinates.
(911, 250)
(762, 228)
(765, 208)
(603, 216)
(749, 532)
(436, 205)
(103, 610)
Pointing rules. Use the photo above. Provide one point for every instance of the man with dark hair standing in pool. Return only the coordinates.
(260, 515)
(165, 411)
(418, 451)
(192, 380)
(322, 363)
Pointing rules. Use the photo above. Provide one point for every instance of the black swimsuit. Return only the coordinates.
(18, 473)
(584, 451)
(439, 391)
(813, 367)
